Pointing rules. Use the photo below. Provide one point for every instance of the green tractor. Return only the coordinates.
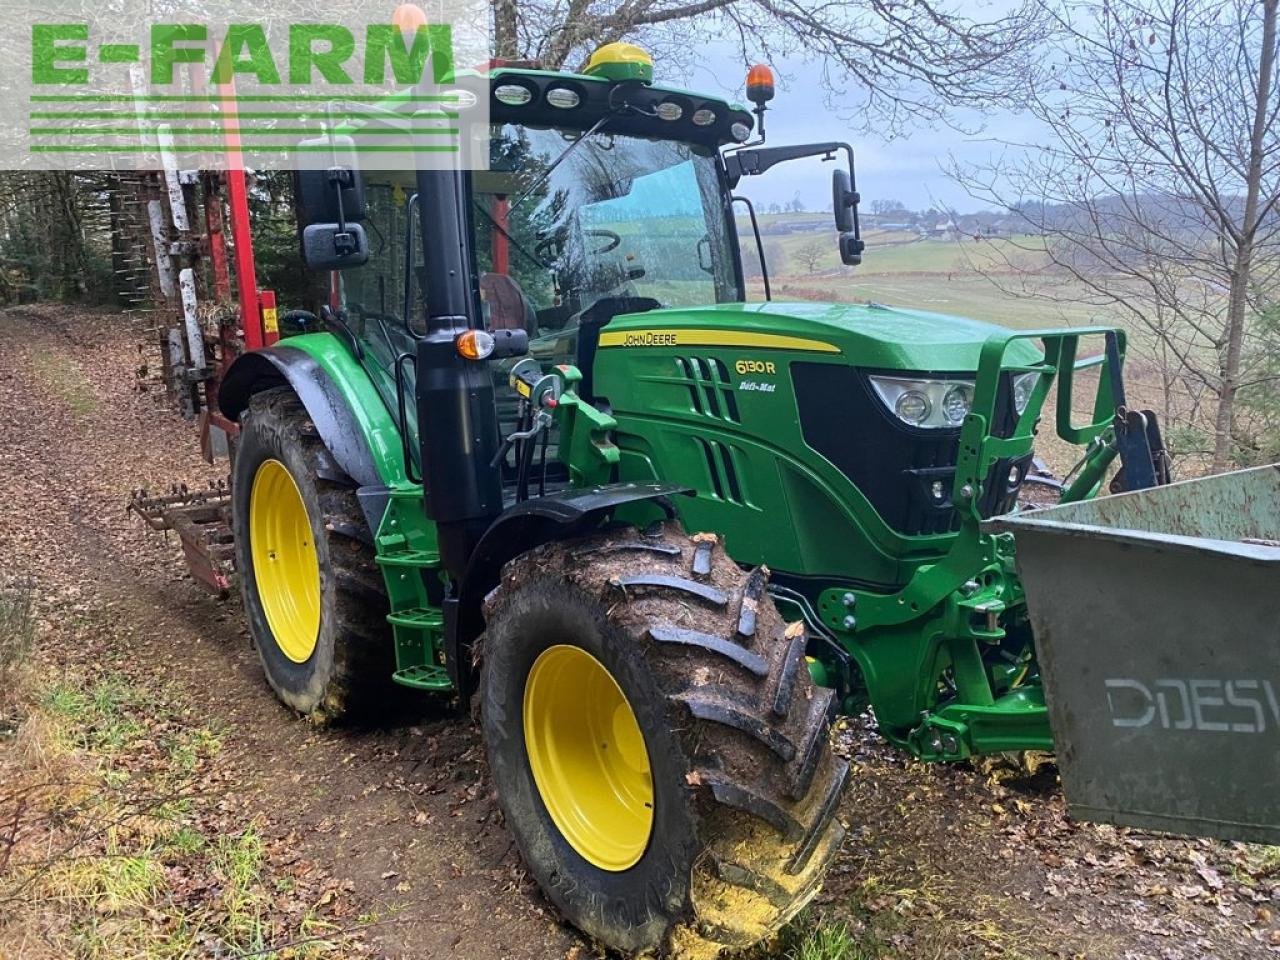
(676, 534)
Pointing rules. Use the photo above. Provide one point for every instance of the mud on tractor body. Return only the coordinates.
(538, 449)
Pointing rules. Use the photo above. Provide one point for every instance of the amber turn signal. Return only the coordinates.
(475, 344)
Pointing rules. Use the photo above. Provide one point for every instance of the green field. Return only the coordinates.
(988, 280)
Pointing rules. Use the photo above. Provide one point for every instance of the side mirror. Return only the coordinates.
(331, 246)
(330, 206)
(851, 247)
(334, 193)
(843, 200)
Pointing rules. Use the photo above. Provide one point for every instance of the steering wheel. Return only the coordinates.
(550, 248)
(613, 240)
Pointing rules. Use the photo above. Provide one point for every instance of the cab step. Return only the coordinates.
(422, 618)
(410, 558)
(431, 678)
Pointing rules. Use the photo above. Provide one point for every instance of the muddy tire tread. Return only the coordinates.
(765, 781)
(363, 649)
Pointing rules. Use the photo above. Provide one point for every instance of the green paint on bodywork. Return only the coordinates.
(935, 626)
(931, 630)
(869, 335)
(586, 446)
(375, 422)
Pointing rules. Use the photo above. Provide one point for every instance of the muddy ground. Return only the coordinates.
(388, 842)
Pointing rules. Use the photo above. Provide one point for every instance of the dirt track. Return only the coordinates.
(946, 862)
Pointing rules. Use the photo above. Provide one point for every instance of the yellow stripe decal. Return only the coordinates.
(711, 338)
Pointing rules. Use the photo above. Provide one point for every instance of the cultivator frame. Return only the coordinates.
(202, 521)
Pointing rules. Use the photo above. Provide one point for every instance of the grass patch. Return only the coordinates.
(132, 854)
(832, 941)
(1257, 864)
(60, 373)
(237, 862)
(190, 747)
(103, 718)
(17, 638)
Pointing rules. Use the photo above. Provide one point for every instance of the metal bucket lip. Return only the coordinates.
(1045, 522)
(1014, 523)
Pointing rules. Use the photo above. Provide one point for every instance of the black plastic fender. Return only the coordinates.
(557, 516)
(336, 423)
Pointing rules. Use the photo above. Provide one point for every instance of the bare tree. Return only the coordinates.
(1156, 190)
(811, 253)
(905, 59)
(882, 206)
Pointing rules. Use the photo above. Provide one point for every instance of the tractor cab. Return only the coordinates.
(604, 194)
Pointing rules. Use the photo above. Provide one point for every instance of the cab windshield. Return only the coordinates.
(616, 216)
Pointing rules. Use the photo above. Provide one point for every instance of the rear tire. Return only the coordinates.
(330, 653)
(744, 785)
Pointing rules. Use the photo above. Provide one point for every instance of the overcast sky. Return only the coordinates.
(908, 169)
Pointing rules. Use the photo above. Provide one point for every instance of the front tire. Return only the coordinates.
(658, 747)
(313, 596)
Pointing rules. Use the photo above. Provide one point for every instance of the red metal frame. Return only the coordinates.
(251, 320)
(499, 246)
(258, 325)
(216, 238)
(246, 276)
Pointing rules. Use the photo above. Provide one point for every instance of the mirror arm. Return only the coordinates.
(751, 163)
(334, 173)
(343, 243)
(755, 229)
(339, 178)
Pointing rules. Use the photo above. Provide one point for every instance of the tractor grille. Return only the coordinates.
(710, 389)
(896, 466)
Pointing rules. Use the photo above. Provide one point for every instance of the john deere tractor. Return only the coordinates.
(539, 450)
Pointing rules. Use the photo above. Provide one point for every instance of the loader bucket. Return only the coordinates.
(1157, 623)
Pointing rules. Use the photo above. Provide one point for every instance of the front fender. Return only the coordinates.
(557, 516)
(339, 397)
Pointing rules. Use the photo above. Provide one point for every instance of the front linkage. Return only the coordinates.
(948, 662)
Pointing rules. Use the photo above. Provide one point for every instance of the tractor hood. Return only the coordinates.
(870, 335)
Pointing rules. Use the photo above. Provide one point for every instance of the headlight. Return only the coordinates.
(956, 403)
(913, 407)
(926, 403)
(1024, 384)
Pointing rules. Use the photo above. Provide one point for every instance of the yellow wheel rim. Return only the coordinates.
(588, 757)
(285, 566)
